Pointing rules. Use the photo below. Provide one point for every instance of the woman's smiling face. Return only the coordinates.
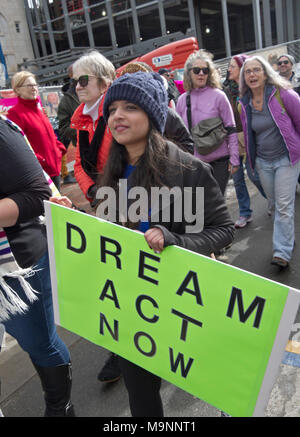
(128, 123)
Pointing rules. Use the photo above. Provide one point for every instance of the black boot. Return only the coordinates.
(56, 383)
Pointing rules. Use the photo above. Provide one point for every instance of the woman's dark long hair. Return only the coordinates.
(149, 169)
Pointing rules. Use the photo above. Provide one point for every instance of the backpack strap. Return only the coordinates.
(278, 97)
(239, 108)
(188, 110)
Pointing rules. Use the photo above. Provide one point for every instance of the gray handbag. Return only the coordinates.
(208, 134)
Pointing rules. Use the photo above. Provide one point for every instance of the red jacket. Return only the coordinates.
(79, 121)
(37, 127)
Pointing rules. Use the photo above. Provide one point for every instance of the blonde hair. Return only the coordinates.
(273, 78)
(19, 79)
(213, 79)
(97, 65)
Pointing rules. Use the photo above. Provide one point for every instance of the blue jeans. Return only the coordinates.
(35, 330)
(279, 181)
(242, 191)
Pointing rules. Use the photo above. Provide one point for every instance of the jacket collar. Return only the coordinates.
(80, 120)
(269, 90)
(29, 102)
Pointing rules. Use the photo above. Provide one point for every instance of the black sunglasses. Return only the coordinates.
(283, 62)
(196, 70)
(82, 80)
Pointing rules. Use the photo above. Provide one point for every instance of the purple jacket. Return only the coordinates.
(206, 103)
(287, 120)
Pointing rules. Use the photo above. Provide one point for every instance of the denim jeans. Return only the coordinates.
(279, 181)
(35, 330)
(241, 190)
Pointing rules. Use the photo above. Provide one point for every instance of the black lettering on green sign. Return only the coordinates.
(73, 228)
(180, 360)
(185, 320)
(152, 351)
(104, 250)
(138, 303)
(191, 276)
(258, 302)
(113, 332)
(109, 285)
(143, 266)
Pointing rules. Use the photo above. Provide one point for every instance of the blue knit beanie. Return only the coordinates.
(145, 90)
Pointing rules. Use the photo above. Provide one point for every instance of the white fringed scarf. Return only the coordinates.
(10, 302)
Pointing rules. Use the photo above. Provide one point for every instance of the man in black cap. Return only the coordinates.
(173, 92)
(285, 68)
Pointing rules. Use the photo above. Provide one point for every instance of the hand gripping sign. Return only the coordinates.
(214, 330)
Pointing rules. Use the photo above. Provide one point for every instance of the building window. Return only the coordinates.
(17, 25)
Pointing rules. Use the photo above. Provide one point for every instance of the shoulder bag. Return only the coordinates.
(208, 134)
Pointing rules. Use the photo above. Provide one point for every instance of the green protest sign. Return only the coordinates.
(216, 331)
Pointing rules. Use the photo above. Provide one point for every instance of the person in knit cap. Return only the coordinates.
(135, 109)
(242, 194)
(285, 65)
(175, 129)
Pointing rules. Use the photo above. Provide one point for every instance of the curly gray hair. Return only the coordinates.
(213, 79)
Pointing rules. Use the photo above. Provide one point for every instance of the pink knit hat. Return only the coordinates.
(240, 59)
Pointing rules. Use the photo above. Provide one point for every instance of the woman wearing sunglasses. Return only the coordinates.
(135, 108)
(92, 75)
(201, 82)
(270, 115)
(28, 114)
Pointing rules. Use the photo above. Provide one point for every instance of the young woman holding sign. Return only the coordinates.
(135, 108)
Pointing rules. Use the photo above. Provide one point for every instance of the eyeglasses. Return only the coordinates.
(196, 70)
(30, 85)
(282, 62)
(255, 70)
(82, 80)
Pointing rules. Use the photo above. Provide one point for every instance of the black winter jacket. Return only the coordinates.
(23, 181)
(177, 132)
(67, 105)
(183, 171)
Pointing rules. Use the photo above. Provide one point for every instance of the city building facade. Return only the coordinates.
(15, 39)
(61, 30)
